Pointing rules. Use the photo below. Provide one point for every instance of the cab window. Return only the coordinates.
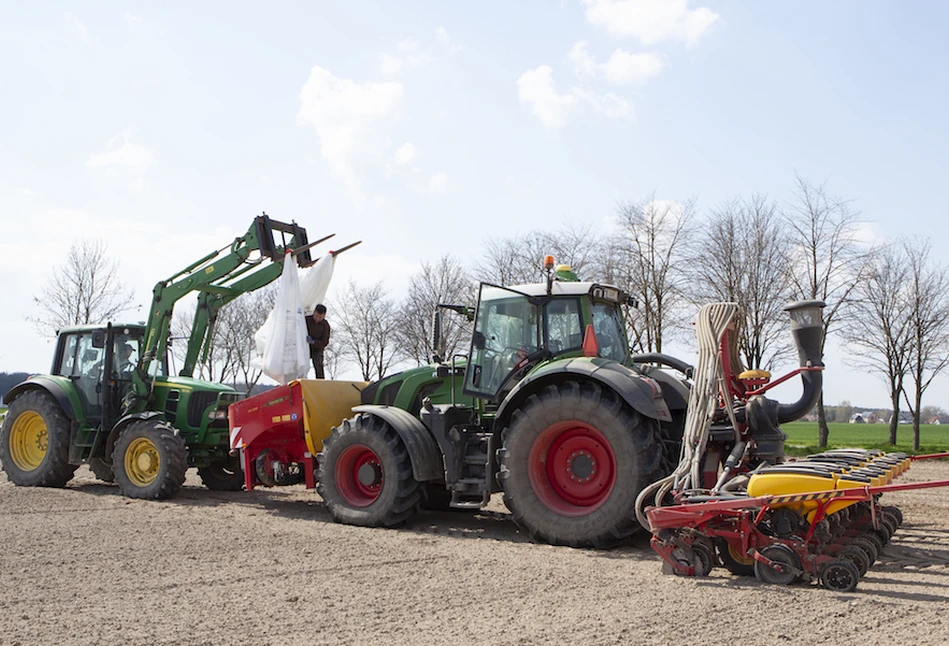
(564, 330)
(507, 329)
(608, 327)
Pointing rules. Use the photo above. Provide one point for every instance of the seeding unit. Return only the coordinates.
(818, 517)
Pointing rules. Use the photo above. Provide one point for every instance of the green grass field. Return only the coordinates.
(802, 437)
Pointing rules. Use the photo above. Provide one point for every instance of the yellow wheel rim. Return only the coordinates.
(142, 462)
(29, 441)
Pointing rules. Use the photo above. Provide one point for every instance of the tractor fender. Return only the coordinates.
(52, 386)
(641, 393)
(423, 452)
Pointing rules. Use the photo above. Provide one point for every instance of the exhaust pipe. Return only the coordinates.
(807, 329)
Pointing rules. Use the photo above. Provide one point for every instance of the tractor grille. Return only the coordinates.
(197, 404)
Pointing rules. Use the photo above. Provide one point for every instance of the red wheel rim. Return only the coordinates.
(572, 468)
(359, 475)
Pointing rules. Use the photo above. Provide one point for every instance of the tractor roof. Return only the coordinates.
(597, 290)
(101, 326)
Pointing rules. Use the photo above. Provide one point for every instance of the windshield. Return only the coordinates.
(507, 330)
(608, 326)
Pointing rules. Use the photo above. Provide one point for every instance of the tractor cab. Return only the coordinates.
(520, 326)
(100, 361)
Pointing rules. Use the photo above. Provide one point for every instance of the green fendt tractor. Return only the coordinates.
(110, 402)
(549, 407)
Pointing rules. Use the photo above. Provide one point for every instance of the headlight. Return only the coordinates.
(218, 414)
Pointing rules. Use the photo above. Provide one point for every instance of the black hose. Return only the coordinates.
(665, 359)
(813, 380)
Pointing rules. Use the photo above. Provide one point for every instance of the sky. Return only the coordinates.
(423, 128)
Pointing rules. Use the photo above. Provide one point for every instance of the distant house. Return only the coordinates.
(938, 419)
(864, 418)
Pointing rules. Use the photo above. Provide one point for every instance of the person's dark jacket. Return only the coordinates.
(319, 332)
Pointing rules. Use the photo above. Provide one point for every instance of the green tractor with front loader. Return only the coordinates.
(548, 407)
(110, 402)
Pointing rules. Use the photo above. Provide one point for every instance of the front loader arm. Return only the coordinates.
(208, 277)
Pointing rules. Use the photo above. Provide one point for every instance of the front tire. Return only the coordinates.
(150, 460)
(102, 469)
(34, 442)
(365, 474)
(574, 459)
(222, 476)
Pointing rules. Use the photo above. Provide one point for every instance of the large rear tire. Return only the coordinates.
(222, 476)
(365, 474)
(150, 460)
(574, 458)
(34, 442)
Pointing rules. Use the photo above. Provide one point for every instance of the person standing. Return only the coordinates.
(318, 336)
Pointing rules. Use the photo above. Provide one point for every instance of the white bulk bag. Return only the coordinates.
(281, 341)
(315, 282)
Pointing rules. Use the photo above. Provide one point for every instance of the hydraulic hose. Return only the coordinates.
(665, 359)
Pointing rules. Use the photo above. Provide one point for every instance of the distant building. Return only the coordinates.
(938, 419)
(864, 418)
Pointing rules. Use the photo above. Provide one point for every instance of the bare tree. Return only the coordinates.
(234, 330)
(826, 258)
(742, 257)
(85, 289)
(219, 366)
(877, 330)
(928, 313)
(365, 328)
(652, 246)
(520, 259)
(443, 282)
(510, 261)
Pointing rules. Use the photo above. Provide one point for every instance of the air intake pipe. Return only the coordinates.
(807, 329)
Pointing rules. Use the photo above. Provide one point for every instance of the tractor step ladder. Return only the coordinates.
(471, 490)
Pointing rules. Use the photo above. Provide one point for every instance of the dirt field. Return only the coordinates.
(83, 565)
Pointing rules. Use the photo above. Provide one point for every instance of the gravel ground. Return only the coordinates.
(83, 565)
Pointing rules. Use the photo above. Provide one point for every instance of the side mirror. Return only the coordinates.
(98, 339)
(478, 340)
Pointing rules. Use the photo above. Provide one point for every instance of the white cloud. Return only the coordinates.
(78, 28)
(536, 88)
(438, 183)
(351, 121)
(413, 57)
(622, 68)
(134, 156)
(138, 185)
(584, 64)
(869, 234)
(390, 65)
(408, 45)
(445, 39)
(406, 154)
(134, 19)
(651, 21)
(29, 193)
